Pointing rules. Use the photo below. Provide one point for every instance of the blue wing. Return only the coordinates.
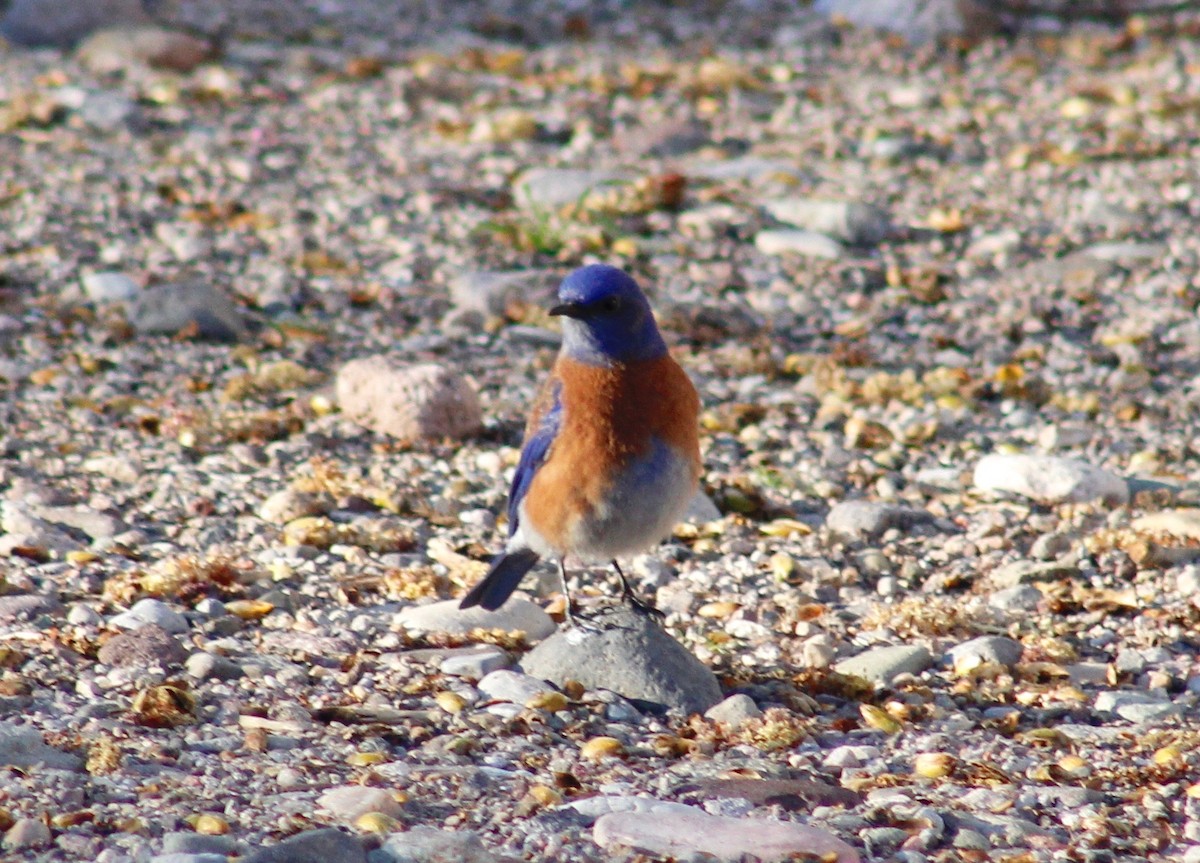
(509, 567)
(537, 445)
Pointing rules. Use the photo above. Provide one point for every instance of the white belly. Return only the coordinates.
(641, 508)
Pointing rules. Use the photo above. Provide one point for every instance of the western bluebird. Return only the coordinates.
(612, 453)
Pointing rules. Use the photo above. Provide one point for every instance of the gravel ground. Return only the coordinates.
(941, 307)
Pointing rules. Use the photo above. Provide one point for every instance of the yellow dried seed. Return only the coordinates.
(545, 795)
(249, 609)
(602, 747)
(1168, 755)
(280, 570)
(782, 566)
(366, 759)
(1074, 766)
(720, 609)
(451, 702)
(626, 247)
(879, 719)
(785, 527)
(376, 822)
(934, 765)
(42, 377)
(80, 557)
(1075, 107)
(551, 701)
(210, 824)
(1193, 791)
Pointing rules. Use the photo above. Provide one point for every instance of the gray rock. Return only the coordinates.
(915, 20)
(289, 504)
(187, 842)
(512, 686)
(628, 653)
(27, 606)
(515, 615)
(795, 241)
(148, 646)
(664, 140)
(110, 112)
(475, 663)
(425, 844)
(187, 306)
(864, 519)
(746, 168)
(734, 710)
(1023, 597)
(151, 611)
(312, 846)
(591, 808)
(696, 834)
(27, 833)
(205, 666)
(492, 292)
(1049, 479)
(1126, 252)
(21, 526)
(1136, 707)
(701, 509)
(348, 802)
(847, 221)
(995, 649)
(190, 857)
(108, 287)
(82, 614)
(63, 22)
(554, 188)
(97, 525)
(24, 748)
(881, 664)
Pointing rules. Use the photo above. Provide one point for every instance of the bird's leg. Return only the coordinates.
(562, 574)
(629, 595)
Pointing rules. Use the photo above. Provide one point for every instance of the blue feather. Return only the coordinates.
(537, 445)
(502, 579)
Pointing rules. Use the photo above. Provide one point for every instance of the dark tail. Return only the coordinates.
(502, 579)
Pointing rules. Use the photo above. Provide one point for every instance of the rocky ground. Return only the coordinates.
(271, 313)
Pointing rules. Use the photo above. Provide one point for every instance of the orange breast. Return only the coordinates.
(610, 416)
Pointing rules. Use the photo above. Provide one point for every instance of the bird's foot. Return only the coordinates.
(641, 606)
(577, 619)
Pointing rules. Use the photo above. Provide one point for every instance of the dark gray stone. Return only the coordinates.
(996, 649)
(149, 645)
(312, 846)
(916, 20)
(64, 22)
(864, 519)
(187, 842)
(26, 606)
(881, 664)
(628, 653)
(169, 309)
(24, 748)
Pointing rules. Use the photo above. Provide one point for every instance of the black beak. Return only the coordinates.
(570, 310)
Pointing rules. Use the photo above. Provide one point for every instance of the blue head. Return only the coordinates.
(606, 318)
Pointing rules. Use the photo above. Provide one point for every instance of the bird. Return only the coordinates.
(611, 456)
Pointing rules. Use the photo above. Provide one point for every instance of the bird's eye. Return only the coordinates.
(610, 304)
